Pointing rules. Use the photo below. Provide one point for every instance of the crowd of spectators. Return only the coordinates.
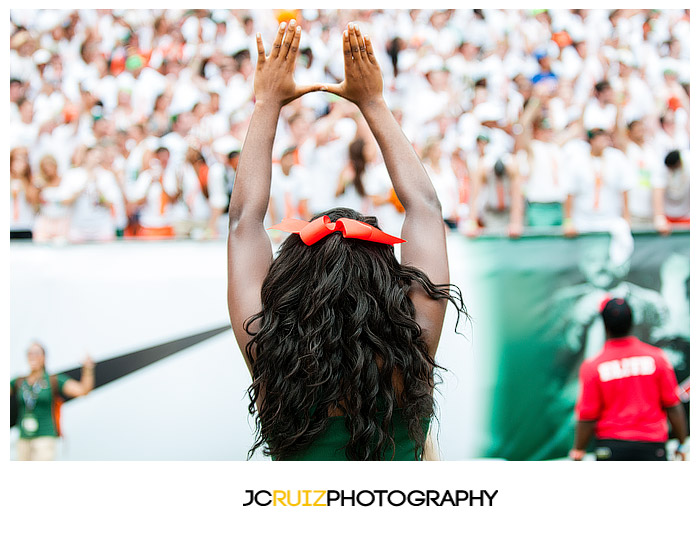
(130, 122)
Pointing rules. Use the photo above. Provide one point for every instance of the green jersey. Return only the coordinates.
(35, 406)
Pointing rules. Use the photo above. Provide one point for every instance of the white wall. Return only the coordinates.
(115, 298)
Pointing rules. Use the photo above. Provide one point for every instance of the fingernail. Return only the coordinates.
(292, 22)
(283, 26)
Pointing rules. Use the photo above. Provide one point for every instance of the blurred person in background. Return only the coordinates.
(221, 178)
(600, 112)
(52, 223)
(96, 195)
(545, 177)
(290, 189)
(25, 131)
(598, 190)
(351, 190)
(670, 135)
(647, 192)
(491, 193)
(444, 181)
(159, 121)
(112, 163)
(194, 214)
(326, 154)
(627, 396)
(677, 187)
(38, 396)
(155, 192)
(24, 195)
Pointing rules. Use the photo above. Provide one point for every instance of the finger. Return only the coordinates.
(294, 48)
(361, 43)
(288, 36)
(278, 41)
(370, 50)
(354, 44)
(303, 90)
(336, 89)
(346, 50)
(261, 48)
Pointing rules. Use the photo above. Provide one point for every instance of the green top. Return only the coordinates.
(34, 406)
(330, 445)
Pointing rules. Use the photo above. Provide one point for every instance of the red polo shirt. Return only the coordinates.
(627, 389)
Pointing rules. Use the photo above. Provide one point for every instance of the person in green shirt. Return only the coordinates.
(35, 395)
(339, 337)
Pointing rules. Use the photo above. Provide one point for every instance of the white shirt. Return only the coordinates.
(597, 184)
(156, 212)
(597, 116)
(446, 186)
(287, 191)
(646, 164)
(546, 171)
(377, 182)
(324, 164)
(51, 201)
(677, 183)
(92, 217)
(218, 186)
(21, 212)
(197, 204)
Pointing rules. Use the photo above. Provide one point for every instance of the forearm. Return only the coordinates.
(658, 202)
(409, 178)
(584, 433)
(87, 379)
(215, 215)
(676, 415)
(475, 192)
(517, 202)
(625, 207)
(568, 205)
(251, 190)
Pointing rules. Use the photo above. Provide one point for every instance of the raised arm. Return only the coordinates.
(86, 384)
(423, 229)
(249, 249)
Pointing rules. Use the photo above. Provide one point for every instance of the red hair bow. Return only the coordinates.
(311, 232)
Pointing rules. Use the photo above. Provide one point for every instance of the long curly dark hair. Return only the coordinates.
(337, 335)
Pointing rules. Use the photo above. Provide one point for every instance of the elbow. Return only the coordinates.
(234, 218)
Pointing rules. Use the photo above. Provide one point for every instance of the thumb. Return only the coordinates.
(303, 90)
(336, 89)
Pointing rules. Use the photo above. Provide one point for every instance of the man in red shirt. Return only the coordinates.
(628, 394)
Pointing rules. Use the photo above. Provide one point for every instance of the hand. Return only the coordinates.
(472, 230)
(363, 78)
(681, 453)
(577, 454)
(661, 225)
(274, 74)
(88, 363)
(540, 91)
(515, 230)
(569, 230)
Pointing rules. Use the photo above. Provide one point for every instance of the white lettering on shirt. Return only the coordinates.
(627, 367)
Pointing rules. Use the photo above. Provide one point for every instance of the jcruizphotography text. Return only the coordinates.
(377, 497)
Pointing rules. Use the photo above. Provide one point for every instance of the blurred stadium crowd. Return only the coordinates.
(130, 122)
